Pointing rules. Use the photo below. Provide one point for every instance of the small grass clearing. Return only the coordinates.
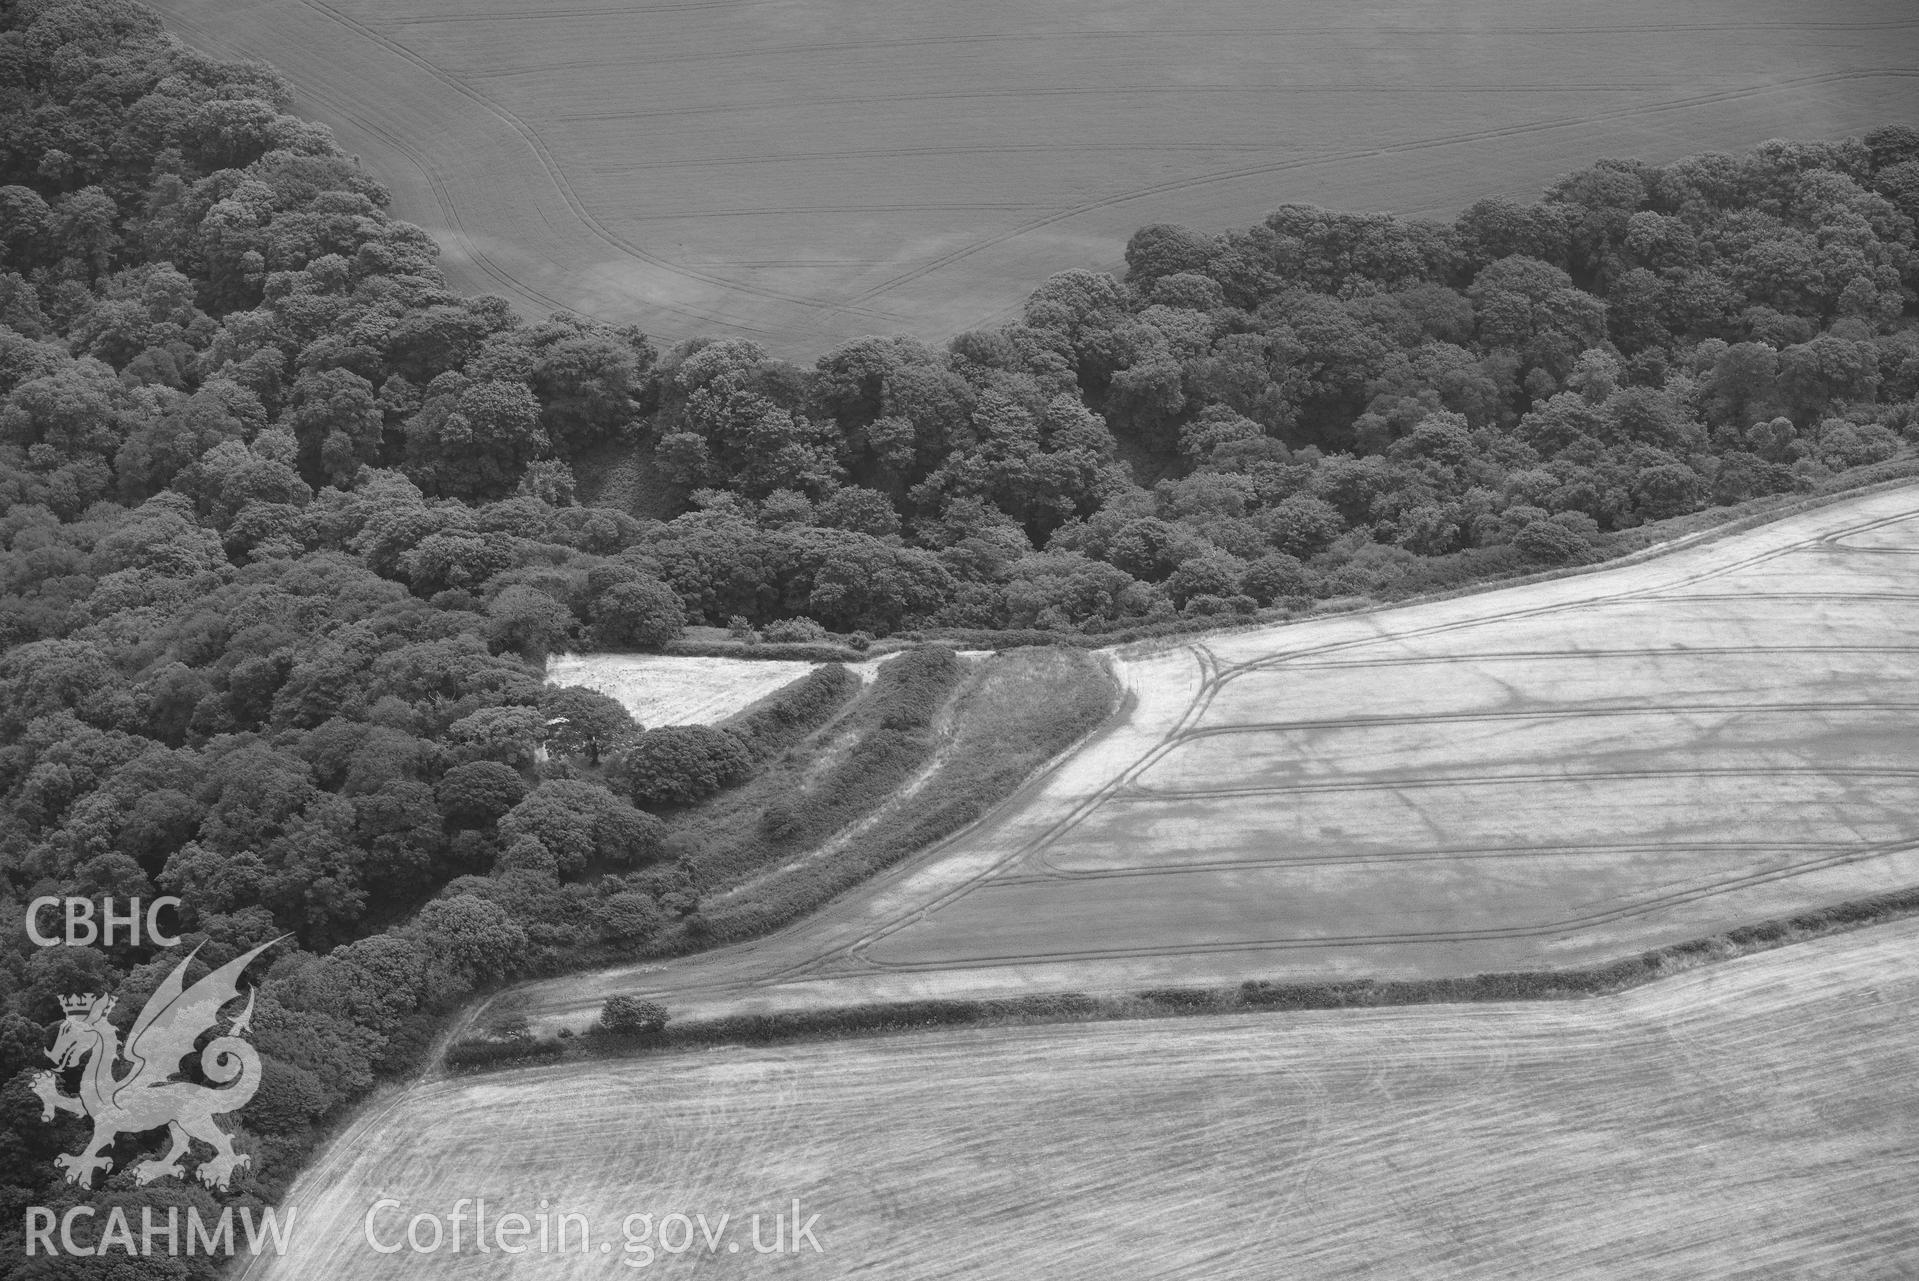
(664, 689)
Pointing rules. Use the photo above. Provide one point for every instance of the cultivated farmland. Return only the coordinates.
(1761, 1112)
(667, 689)
(1545, 776)
(804, 171)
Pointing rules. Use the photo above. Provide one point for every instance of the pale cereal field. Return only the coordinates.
(1752, 1119)
(1550, 775)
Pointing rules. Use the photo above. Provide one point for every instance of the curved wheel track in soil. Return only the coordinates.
(1547, 775)
(770, 168)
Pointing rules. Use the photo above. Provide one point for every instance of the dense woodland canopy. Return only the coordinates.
(289, 527)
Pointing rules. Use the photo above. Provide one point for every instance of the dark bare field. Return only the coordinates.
(805, 171)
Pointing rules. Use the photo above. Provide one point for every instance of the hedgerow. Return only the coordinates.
(1260, 996)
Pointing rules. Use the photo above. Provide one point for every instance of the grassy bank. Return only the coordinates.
(1015, 712)
(781, 720)
(824, 780)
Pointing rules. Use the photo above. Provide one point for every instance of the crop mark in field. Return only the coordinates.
(1125, 786)
(1564, 925)
(1556, 713)
(1878, 551)
(1439, 854)
(1140, 792)
(1657, 591)
(1757, 596)
(1840, 541)
(1583, 655)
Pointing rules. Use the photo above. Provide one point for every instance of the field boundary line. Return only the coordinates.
(1598, 981)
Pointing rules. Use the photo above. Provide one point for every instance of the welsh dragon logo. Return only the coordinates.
(147, 1097)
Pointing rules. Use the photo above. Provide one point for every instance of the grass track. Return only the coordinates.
(1756, 1117)
(1542, 777)
(804, 171)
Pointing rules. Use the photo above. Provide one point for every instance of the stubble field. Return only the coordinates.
(1547, 776)
(668, 689)
(805, 171)
(1756, 1118)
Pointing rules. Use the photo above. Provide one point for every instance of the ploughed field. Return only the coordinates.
(805, 171)
(1757, 1116)
(1547, 776)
